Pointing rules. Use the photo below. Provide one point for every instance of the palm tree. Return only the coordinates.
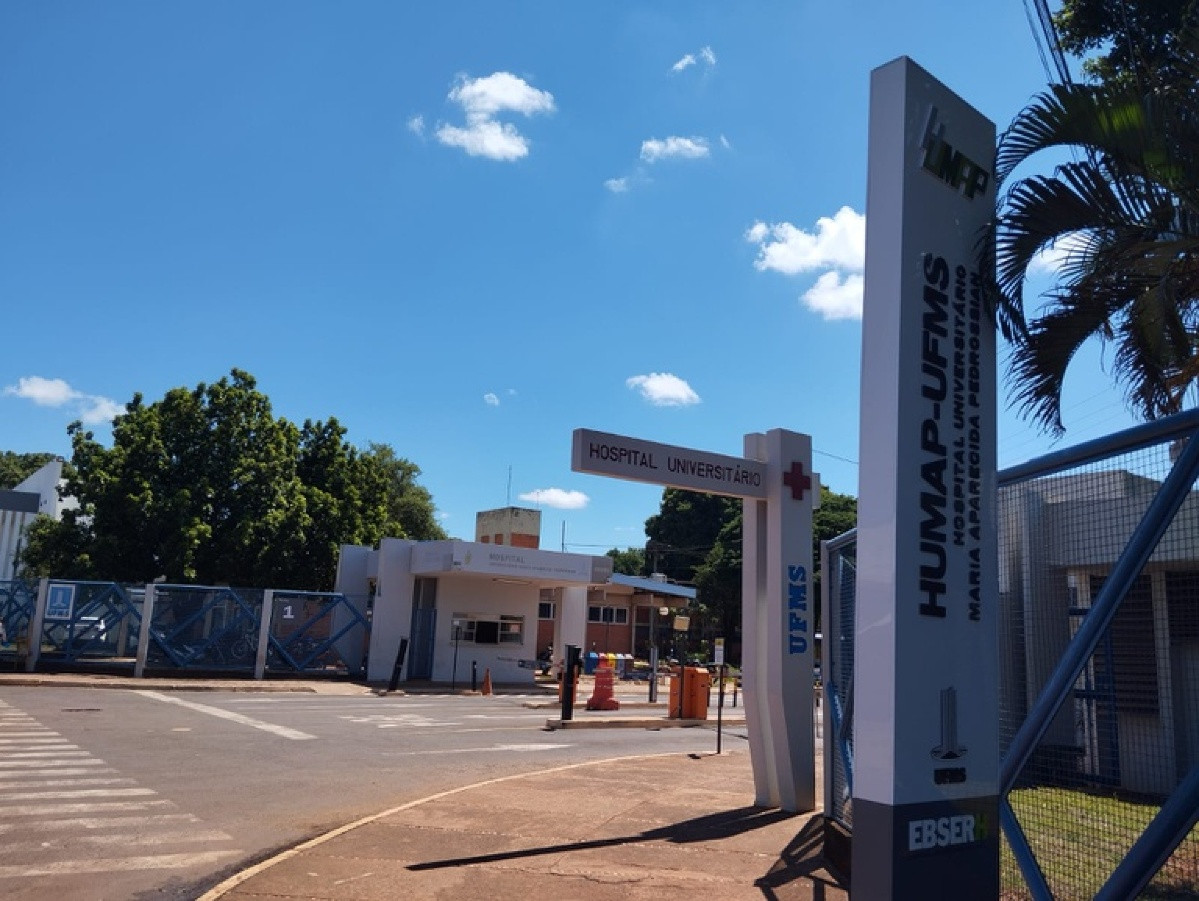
(1125, 215)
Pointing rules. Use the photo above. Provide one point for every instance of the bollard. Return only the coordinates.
(399, 665)
(570, 677)
(474, 676)
(653, 675)
(720, 709)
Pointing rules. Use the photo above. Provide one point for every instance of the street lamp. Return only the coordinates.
(655, 612)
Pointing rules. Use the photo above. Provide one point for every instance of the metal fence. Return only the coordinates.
(69, 621)
(215, 629)
(1099, 668)
(18, 599)
(839, 582)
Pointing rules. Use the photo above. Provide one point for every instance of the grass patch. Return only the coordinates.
(1078, 838)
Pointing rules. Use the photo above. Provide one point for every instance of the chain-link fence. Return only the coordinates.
(839, 586)
(1126, 733)
(1099, 668)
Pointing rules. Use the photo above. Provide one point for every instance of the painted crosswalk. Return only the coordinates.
(65, 812)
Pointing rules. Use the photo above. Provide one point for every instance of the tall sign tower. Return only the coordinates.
(926, 749)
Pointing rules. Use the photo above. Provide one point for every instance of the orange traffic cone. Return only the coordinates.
(487, 681)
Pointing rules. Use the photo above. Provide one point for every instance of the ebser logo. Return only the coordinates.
(942, 832)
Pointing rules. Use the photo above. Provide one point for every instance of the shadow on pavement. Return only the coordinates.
(803, 859)
(710, 827)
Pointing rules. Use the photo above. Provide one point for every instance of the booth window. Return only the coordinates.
(618, 616)
(545, 610)
(482, 628)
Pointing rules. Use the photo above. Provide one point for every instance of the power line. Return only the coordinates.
(835, 457)
(1048, 44)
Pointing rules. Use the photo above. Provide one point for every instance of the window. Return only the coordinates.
(1126, 660)
(488, 628)
(617, 616)
(546, 609)
(1182, 601)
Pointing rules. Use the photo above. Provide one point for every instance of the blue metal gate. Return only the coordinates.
(17, 602)
(317, 633)
(202, 627)
(93, 621)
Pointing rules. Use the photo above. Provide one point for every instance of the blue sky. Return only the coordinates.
(465, 229)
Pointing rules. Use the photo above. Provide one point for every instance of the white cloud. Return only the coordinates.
(663, 389)
(491, 399)
(687, 60)
(617, 185)
(494, 140)
(836, 248)
(43, 392)
(757, 232)
(836, 296)
(482, 99)
(706, 56)
(726, 143)
(1050, 260)
(839, 242)
(674, 147)
(92, 409)
(499, 92)
(416, 125)
(558, 498)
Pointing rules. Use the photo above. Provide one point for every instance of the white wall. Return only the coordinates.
(465, 595)
(571, 624)
(12, 524)
(44, 483)
(392, 617)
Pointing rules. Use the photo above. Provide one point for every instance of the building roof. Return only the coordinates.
(653, 586)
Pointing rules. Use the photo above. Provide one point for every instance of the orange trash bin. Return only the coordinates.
(698, 693)
(674, 708)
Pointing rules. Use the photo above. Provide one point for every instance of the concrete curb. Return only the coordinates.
(610, 722)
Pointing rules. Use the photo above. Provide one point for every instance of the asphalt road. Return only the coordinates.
(135, 794)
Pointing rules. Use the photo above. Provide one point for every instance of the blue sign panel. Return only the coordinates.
(60, 602)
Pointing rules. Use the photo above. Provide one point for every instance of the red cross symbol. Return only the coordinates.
(797, 481)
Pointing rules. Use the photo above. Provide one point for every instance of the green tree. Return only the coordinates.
(700, 539)
(207, 485)
(718, 585)
(629, 562)
(1127, 217)
(410, 509)
(1131, 40)
(16, 468)
(684, 530)
(718, 578)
